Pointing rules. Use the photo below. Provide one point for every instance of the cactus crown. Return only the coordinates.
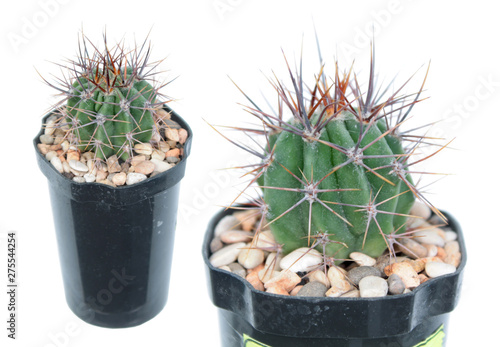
(336, 176)
(109, 98)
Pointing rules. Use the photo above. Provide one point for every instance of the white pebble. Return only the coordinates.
(265, 239)
(250, 257)
(79, 179)
(226, 223)
(50, 155)
(373, 286)
(56, 162)
(89, 178)
(134, 177)
(362, 259)
(436, 269)
(420, 209)
(78, 166)
(226, 255)
(161, 166)
(301, 259)
(449, 235)
(429, 236)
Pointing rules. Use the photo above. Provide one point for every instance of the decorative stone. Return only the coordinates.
(133, 178)
(143, 148)
(429, 236)
(119, 179)
(450, 236)
(158, 155)
(250, 257)
(78, 166)
(412, 248)
(301, 260)
(176, 152)
(183, 135)
(161, 166)
(216, 244)
(296, 290)
(420, 209)
(232, 236)
(264, 240)
(358, 273)
(435, 269)
(56, 162)
(79, 179)
(431, 250)
(285, 279)
(226, 223)
(267, 273)
(247, 219)
(89, 178)
(46, 139)
(172, 134)
(396, 285)
(277, 289)
(373, 287)
(136, 160)
(351, 294)
(406, 272)
(226, 255)
(146, 167)
(319, 276)
(253, 279)
(362, 259)
(339, 283)
(238, 269)
(313, 289)
(273, 262)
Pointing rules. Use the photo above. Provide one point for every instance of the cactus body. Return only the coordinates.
(110, 121)
(312, 161)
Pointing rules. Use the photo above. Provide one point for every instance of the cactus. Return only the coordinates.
(108, 99)
(336, 176)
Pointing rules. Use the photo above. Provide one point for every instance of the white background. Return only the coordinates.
(205, 41)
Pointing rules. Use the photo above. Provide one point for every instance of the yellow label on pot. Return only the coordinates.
(435, 340)
(249, 342)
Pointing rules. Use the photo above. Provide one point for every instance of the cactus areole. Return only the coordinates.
(336, 174)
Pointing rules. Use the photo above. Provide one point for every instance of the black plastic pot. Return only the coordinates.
(116, 244)
(249, 317)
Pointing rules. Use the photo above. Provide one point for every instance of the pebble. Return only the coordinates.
(46, 139)
(232, 236)
(373, 287)
(226, 223)
(267, 273)
(226, 255)
(296, 290)
(406, 272)
(277, 289)
(56, 162)
(73, 155)
(247, 219)
(319, 276)
(412, 248)
(237, 269)
(89, 178)
(66, 167)
(50, 155)
(450, 236)
(133, 178)
(172, 160)
(113, 164)
(253, 278)
(101, 175)
(172, 134)
(272, 262)
(351, 294)
(176, 152)
(285, 279)
(119, 179)
(362, 259)
(78, 166)
(136, 160)
(50, 126)
(420, 209)
(423, 278)
(163, 146)
(313, 289)
(161, 166)
(171, 124)
(158, 155)
(432, 250)
(250, 257)
(183, 135)
(143, 148)
(79, 179)
(429, 236)
(301, 260)
(358, 273)
(216, 244)
(339, 283)
(146, 167)
(436, 269)
(162, 114)
(396, 285)
(264, 239)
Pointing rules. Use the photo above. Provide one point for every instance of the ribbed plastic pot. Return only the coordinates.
(248, 317)
(116, 243)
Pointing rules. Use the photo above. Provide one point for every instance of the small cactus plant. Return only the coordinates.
(109, 99)
(337, 175)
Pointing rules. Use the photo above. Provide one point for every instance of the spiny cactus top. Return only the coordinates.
(109, 98)
(336, 175)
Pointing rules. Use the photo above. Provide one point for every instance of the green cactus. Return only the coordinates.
(336, 176)
(108, 99)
